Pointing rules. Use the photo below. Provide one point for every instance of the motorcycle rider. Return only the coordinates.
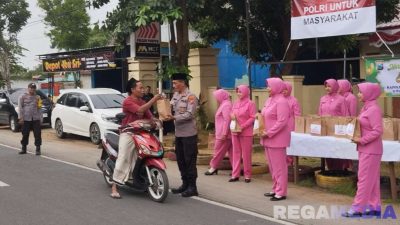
(134, 108)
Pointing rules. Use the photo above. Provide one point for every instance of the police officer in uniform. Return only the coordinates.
(184, 104)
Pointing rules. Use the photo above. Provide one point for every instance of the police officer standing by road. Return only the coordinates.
(184, 104)
(30, 117)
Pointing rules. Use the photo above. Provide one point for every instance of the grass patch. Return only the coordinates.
(308, 182)
(344, 189)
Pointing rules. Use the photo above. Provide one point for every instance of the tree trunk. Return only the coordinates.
(182, 30)
(172, 42)
(294, 47)
(5, 69)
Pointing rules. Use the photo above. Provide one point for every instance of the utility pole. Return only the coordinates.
(247, 3)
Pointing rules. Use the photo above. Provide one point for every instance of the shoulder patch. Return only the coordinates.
(191, 99)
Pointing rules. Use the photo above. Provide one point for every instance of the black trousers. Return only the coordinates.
(34, 125)
(186, 156)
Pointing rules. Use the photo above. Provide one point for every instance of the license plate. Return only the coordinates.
(44, 114)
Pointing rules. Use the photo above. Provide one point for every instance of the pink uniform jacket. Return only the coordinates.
(370, 120)
(276, 116)
(294, 106)
(350, 99)
(332, 104)
(222, 116)
(245, 112)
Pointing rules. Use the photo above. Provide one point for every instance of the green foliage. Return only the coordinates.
(99, 36)
(68, 22)
(197, 44)
(21, 73)
(13, 16)
(169, 68)
(131, 14)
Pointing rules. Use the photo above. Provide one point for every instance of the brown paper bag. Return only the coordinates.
(353, 129)
(259, 126)
(163, 109)
(316, 125)
(337, 126)
(234, 126)
(390, 129)
(299, 124)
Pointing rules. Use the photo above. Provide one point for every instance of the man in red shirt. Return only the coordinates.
(134, 108)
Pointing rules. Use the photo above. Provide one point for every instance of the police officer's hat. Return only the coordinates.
(179, 76)
(32, 85)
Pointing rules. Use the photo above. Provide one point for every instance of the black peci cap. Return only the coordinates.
(32, 85)
(179, 76)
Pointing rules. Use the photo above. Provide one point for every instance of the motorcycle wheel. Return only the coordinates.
(158, 192)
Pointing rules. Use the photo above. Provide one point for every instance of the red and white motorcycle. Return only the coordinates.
(149, 173)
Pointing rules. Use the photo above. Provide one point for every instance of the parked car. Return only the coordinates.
(87, 112)
(9, 107)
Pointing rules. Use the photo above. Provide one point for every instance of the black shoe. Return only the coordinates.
(23, 150)
(274, 199)
(233, 179)
(269, 194)
(247, 180)
(352, 214)
(373, 213)
(189, 192)
(38, 150)
(208, 173)
(180, 189)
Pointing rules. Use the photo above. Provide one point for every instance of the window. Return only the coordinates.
(61, 100)
(72, 99)
(107, 101)
(83, 101)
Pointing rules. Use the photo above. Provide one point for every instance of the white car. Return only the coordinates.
(87, 112)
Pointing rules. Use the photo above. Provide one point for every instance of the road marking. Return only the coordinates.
(233, 208)
(57, 160)
(2, 184)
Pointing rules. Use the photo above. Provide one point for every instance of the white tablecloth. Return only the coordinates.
(331, 147)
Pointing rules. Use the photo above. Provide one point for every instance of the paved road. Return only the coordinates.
(43, 191)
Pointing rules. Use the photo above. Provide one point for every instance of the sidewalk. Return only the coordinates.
(250, 196)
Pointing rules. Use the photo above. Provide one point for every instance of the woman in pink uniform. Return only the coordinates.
(295, 110)
(276, 137)
(244, 111)
(370, 149)
(333, 104)
(345, 90)
(223, 142)
(350, 99)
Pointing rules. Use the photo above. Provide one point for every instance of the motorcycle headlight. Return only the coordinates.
(147, 151)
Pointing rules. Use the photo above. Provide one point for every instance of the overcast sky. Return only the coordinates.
(34, 39)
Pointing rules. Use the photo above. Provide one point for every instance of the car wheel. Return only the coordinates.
(59, 129)
(14, 126)
(95, 134)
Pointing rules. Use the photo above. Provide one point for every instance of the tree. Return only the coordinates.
(13, 16)
(269, 29)
(131, 14)
(68, 22)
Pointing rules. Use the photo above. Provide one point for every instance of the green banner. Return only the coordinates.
(386, 72)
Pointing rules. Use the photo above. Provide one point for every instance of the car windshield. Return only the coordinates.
(15, 94)
(107, 101)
